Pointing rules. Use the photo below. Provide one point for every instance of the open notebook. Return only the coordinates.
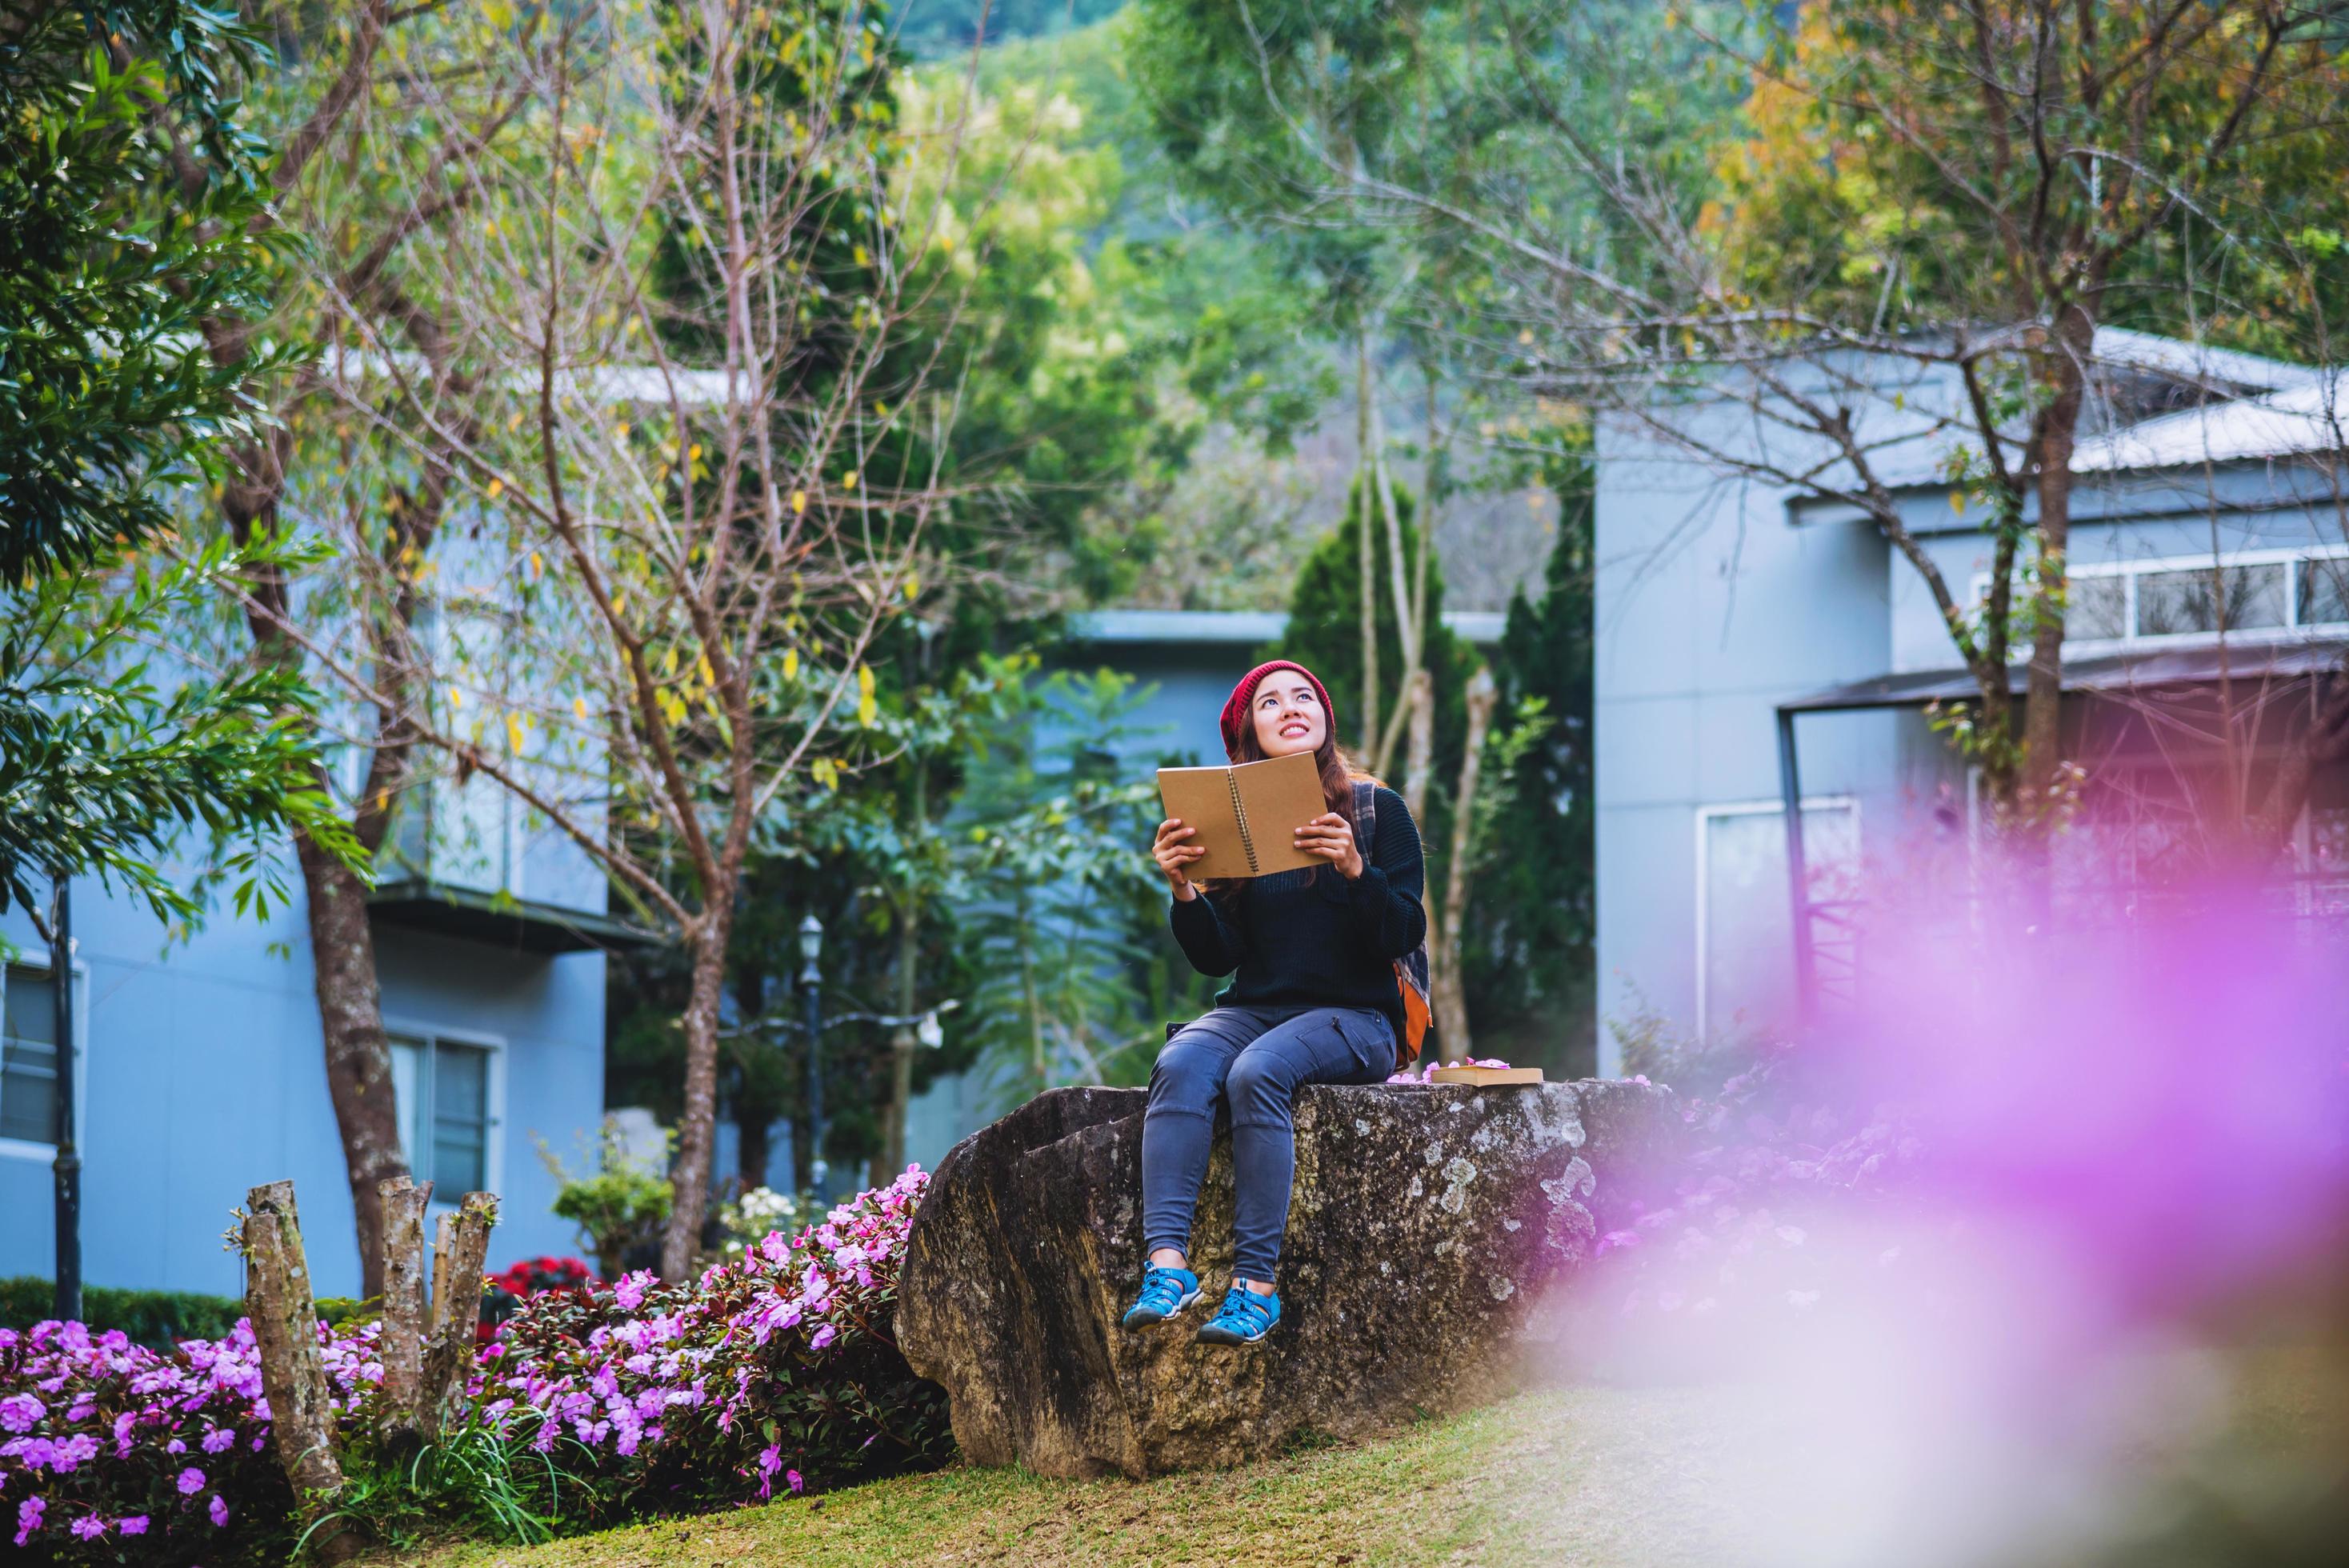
(1246, 816)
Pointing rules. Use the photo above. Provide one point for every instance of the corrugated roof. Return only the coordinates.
(2305, 419)
(1229, 627)
(2143, 669)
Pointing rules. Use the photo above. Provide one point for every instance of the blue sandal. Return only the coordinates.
(1246, 1317)
(1165, 1292)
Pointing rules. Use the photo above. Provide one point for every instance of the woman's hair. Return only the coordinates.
(1338, 771)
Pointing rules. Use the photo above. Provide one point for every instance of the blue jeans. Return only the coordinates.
(1254, 1060)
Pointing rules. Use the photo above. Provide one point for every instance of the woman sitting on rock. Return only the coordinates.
(1314, 998)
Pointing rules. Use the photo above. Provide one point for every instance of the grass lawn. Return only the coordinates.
(1592, 1476)
(1595, 1475)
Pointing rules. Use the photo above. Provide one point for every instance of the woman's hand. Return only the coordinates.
(1331, 837)
(1173, 855)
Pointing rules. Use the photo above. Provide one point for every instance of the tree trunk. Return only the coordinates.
(358, 1058)
(697, 1127)
(460, 1248)
(1368, 552)
(1409, 633)
(1419, 756)
(750, 1162)
(892, 1159)
(1450, 1001)
(2043, 714)
(400, 1347)
(284, 1315)
(2325, 743)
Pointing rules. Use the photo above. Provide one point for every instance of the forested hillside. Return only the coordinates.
(1261, 396)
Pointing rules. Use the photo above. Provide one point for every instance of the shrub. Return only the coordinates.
(595, 1403)
(156, 1317)
(617, 1206)
(759, 1213)
(117, 1453)
(780, 1369)
(1791, 1181)
(504, 1293)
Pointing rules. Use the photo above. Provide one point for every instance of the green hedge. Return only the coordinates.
(157, 1317)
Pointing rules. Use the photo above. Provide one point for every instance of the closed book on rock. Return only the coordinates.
(1246, 816)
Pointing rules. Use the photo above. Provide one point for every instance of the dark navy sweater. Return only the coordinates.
(1311, 938)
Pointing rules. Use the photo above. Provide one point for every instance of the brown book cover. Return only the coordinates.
(1246, 816)
(1486, 1075)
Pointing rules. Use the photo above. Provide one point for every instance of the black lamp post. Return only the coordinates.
(67, 1165)
(811, 991)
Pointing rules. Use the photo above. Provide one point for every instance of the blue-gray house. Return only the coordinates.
(200, 1067)
(1755, 648)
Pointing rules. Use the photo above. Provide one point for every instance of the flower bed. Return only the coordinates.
(776, 1372)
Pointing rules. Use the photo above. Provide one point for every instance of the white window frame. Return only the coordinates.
(46, 1151)
(417, 1032)
(1705, 818)
(2293, 558)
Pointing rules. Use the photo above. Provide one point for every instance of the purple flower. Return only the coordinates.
(135, 1525)
(219, 1509)
(822, 1337)
(218, 1439)
(19, 1411)
(794, 1477)
(631, 1290)
(28, 1517)
(89, 1527)
(191, 1481)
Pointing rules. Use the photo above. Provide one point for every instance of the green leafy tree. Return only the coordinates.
(392, 122)
(133, 196)
(1532, 925)
(1071, 980)
(1323, 631)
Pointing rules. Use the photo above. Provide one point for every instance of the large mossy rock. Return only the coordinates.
(1429, 1228)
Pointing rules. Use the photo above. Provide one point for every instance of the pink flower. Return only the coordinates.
(794, 1477)
(822, 1337)
(219, 1509)
(218, 1439)
(89, 1527)
(191, 1481)
(28, 1517)
(19, 1411)
(135, 1525)
(631, 1290)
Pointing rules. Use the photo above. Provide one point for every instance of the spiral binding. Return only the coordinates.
(1239, 815)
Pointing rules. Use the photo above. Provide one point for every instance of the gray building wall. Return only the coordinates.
(1712, 607)
(203, 1074)
(1717, 601)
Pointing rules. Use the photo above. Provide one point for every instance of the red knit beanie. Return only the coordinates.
(1236, 711)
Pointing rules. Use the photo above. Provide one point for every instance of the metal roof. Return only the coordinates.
(1237, 627)
(2139, 670)
(2304, 420)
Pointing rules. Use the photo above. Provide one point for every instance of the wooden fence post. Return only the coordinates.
(284, 1315)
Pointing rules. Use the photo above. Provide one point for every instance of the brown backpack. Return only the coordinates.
(1411, 969)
